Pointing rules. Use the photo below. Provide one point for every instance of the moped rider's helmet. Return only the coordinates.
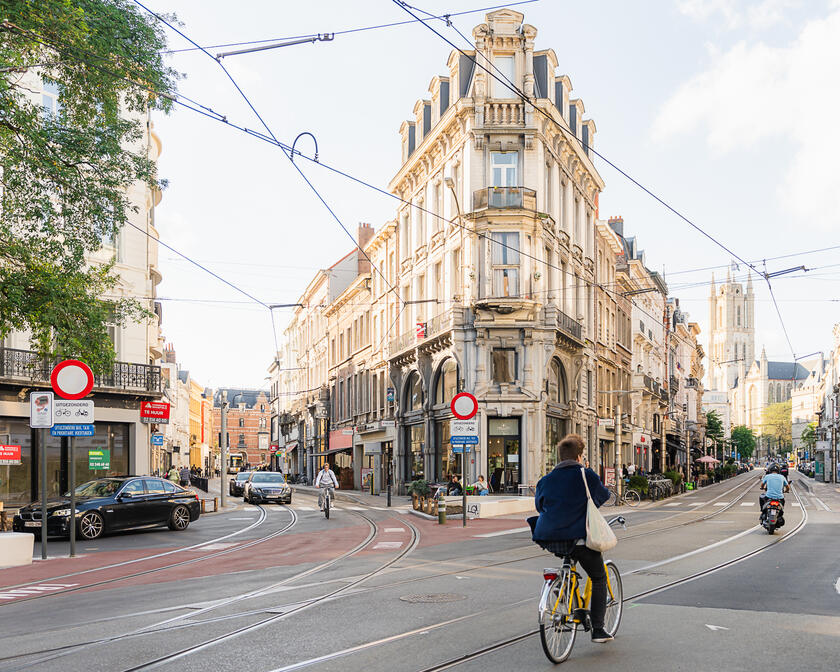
(774, 468)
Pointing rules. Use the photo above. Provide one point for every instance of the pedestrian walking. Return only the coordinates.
(631, 469)
(174, 476)
(185, 476)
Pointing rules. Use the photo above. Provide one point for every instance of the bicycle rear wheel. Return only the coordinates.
(615, 599)
(557, 627)
(611, 500)
(631, 497)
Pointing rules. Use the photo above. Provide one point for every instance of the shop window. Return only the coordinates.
(414, 399)
(447, 382)
(504, 365)
(416, 440)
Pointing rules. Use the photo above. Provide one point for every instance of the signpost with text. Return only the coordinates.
(463, 434)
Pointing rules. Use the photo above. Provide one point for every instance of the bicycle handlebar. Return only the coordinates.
(618, 519)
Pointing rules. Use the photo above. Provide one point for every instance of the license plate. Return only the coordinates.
(32, 523)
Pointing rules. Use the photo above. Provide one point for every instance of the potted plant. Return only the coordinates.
(418, 489)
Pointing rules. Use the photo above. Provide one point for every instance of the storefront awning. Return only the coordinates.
(331, 451)
(339, 440)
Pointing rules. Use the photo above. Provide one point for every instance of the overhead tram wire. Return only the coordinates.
(348, 31)
(513, 88)
(287, 151)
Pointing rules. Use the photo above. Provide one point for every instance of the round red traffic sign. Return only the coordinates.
(72, 379)
(464, 406)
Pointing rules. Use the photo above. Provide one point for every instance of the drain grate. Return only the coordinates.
(433, 598)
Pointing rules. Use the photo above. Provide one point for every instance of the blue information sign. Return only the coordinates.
(71, 430)
(463, 439)
(459, 448)
(157, 439)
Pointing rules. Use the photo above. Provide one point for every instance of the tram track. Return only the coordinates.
(145, 558)
(176, 622)
(505, 643)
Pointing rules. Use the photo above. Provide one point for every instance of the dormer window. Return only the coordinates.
(504, 68)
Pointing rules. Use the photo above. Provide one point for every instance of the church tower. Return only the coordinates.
(731, 331)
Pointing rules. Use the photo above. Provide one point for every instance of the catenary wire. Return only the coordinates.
(349, 30)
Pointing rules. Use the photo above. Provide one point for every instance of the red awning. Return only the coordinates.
(339, 440)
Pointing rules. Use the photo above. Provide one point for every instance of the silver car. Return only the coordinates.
(267, 486)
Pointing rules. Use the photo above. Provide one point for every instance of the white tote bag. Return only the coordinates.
(599, 535)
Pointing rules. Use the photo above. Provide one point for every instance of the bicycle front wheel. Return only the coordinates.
(557, 626)
(615, 598)
(632, 497)
(327, 507)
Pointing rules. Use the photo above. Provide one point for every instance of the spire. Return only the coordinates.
(712, 293)
(763, 354)
(749, 284)
(728, 275)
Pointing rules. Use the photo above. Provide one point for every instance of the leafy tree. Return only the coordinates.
(744, 440)
(66, 171)
(809, 436)
(776, 423)
(714, 426)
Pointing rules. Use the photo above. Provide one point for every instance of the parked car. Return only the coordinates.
(266, 486)
(237, 483)
(111, 504)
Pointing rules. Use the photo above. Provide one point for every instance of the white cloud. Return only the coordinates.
(755, 94)
(735, 14)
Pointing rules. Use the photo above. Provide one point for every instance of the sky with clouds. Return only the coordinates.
(725, 109)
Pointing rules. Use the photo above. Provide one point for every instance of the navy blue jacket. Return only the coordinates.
(561, 502)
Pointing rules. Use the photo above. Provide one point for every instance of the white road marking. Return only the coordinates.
(502, 532)
(388, 544)
(715, 627)
(695, 551)
(400, 511)
(356, 508)
(697, 504)
(221, 545)
(395, 529)
(796, 504)
(16, 593)
(673, 504)
(248, 518)
(747, 503)
(823, 505)
(721, 503)
(250, 508)
(304, 508)
(467, 577)
(837, 585)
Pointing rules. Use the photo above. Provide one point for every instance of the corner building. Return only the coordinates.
(492, 263)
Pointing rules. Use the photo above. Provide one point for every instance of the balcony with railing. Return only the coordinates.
(569, 326)
(505, 198)
(24, 367)
(435, 326)
(642, 381)
(504, 114)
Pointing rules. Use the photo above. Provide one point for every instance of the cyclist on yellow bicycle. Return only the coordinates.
(561, 526)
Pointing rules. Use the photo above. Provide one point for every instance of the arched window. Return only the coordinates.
(771, 398)
(241, 422)
(414, 398)
(738, 316)
(556, 387)
(447, 382)
(778, 391)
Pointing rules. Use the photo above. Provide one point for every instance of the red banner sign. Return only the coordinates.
(9, 454)
(154, 411)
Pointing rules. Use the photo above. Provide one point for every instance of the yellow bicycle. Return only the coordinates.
(563, 610)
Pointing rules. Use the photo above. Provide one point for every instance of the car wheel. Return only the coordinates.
(91, 525)
(179, 519)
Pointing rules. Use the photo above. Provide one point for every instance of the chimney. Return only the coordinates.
(617, 225)
(169, 354)
(364, 237)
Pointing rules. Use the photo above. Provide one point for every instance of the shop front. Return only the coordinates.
(555, 430)
(447, 463)
(20, 483)
(340, 457)
(504, 462)
(642, 447)
(415, 450)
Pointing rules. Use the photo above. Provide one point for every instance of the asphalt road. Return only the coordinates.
(454, 593)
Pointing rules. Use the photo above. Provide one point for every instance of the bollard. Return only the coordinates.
(215, 504)
(441, 511)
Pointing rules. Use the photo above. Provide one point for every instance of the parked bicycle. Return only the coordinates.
(660, 488)
(630, 497)
(563, 610)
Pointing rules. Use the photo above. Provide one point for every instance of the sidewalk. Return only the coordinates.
(828, 493)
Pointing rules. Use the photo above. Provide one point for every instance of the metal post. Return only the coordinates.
(72, 498)
(390, 468)
(617, 452)
(43, 437)
(834, 443)
(464, 483)
(223, 448)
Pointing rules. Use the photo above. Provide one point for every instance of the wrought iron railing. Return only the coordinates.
(502, 198)
(438, 324)
(569, 325)
(25, 365)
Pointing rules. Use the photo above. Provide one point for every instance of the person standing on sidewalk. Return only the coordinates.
(185, 476)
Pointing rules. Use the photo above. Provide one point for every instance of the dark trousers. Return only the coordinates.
(593, 564)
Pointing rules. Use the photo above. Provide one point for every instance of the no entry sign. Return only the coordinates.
(464, 406)
(72, 379)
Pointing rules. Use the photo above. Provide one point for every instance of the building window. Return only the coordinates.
(241, 422)
(414, 399)
(505, 68)
(505, 260)
(504, 365)
(49, 99)
(556, 383)
(447, 382)
(504, 169)
(738, 316)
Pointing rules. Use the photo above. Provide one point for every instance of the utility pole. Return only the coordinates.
(617, 452)
(834, 439)
(223, 447)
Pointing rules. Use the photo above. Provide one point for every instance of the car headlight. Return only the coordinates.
(62, 512)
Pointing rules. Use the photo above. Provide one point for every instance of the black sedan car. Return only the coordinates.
(237, 484)
(110, 504)
(266, 486)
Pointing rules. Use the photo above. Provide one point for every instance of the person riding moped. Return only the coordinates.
(775, 486)
(325, 480)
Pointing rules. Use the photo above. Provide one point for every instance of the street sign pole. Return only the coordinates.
(72, 497)
(464, 484)
(43, 433)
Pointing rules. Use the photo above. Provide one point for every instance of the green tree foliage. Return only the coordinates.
(744, 440)
(777, 424)
(714, 426)
(809, 436)
(65, 175)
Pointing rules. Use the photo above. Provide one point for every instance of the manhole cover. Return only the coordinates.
(433, 598)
